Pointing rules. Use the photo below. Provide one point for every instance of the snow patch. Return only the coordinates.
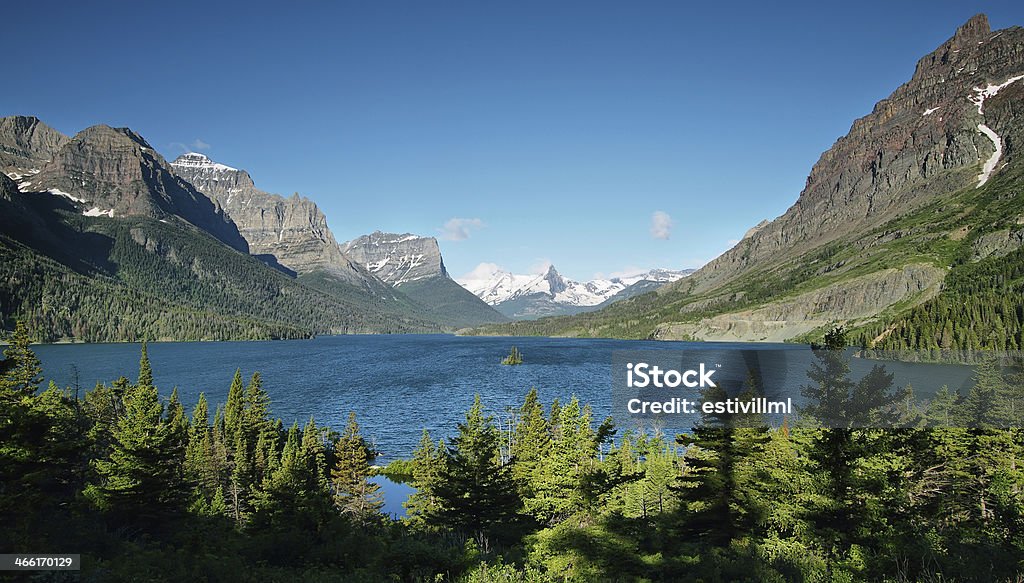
(197, 160)
(60, 192)
(930, 111)
(990, 164)
(96, 212)
(983, 93)
(376, 266)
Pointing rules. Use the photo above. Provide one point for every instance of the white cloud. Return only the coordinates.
(200, 145)
(661, 225)
(732, 242)
(482, 272)
(456, 229)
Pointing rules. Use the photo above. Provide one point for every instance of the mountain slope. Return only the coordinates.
(26, 144)
(293, 231)
(106, 243)
(884, 215)
(414, 266)
(114, 172)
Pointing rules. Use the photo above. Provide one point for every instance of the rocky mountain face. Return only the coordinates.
(951, 129)
(8, 187)
(935, 134)
(920, 188)
(26, 144)
(101, 226)
(293, 231)
(549, 293)
(397, 259)
(413, 265)
(108, 172)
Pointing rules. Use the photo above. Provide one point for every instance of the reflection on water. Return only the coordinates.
(395, 495)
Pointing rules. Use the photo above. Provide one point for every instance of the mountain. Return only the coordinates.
(414, 266)
(397, 259)
(111, 172)
(26, 144)
(291, 232)
(905, 201)
(548, 294)
(100, 240)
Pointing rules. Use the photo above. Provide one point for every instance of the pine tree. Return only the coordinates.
(354, 494)
(20, 370)
(532, 441)
(566, 480)
(427, 459)
(235, 408)
(41, 437)
(202, 469)
(476, 492)
(145, 370)
(295, 495)
(143, 478)
(239, 487)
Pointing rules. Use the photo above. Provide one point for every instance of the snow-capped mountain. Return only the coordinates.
(547, 294)
(397, 258)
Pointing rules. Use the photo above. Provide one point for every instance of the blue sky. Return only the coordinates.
(555, 130)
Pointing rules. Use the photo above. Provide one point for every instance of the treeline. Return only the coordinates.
(146, 491)
(981, 307)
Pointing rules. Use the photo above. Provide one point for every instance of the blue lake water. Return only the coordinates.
(397, 385)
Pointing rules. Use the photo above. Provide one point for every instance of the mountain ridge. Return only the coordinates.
(549, 293)
(414, 266)
(903, 192)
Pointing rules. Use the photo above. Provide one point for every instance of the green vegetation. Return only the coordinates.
(514, 357)
(981, 306)
(95, 280)
(146, 492)
(446, 302)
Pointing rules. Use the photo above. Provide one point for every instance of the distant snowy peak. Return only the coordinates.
(496, 286)
(397, 258)
(200, 161)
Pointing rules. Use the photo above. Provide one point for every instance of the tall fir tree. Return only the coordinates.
(143, 476)
(476, 492)
(354, 494)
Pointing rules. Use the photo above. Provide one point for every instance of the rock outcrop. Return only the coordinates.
(110, 172)
(293, 231)
(397, 259)
(26, 144)
(850, 301)
(8, 188)
(923, 141)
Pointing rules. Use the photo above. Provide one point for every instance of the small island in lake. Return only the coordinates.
(514, 357)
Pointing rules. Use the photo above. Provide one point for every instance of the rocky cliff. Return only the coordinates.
(414, 266)
(26, 144)
(8, 188)
(292, 230)
(932, 136)
(397, 259)
(109, 172)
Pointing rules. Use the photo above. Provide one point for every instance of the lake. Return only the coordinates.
(398, 385)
